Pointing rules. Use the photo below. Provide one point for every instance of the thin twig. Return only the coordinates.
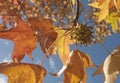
(45, 56)
(41, 34)
(43, 59)
(103, 46)
(77, 14)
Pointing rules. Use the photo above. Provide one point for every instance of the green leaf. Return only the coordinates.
(113, 19)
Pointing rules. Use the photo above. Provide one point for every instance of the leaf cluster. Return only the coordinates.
(55, 25)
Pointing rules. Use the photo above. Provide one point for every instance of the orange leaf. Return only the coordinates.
(75, 71)
(23, 38)
(23, 72)
(46, 34)
(112, 4)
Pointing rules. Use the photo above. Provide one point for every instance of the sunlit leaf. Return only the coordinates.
(104, 9)
(113, 19)
(95, 4)
(99, 70)
(23, 72)
(75, 71)
(72, 3)
(62, 44)
(23, 38)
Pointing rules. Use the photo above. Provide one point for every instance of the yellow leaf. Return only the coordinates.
(23, 73)
(70, 78)
(113, 19)
(62, 44)
(95, 4)
(72, 3)
(104, 9)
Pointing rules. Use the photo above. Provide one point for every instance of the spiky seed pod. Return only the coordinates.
(82, 34)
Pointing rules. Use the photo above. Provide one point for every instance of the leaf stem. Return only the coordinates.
(43, 59)
(41, 34)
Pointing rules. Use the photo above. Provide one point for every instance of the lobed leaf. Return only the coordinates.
(46, 34)
(113, 19)
(104, 6)
(23, 38)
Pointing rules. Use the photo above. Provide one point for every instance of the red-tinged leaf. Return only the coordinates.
(75, 71)
(23, 72)
(46, 34)
(23, 38)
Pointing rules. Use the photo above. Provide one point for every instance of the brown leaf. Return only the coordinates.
(111, 66)
(23, 38)
(99, 70)
(46, 34)
(23, 72)
(7, 7)
(76, 69)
